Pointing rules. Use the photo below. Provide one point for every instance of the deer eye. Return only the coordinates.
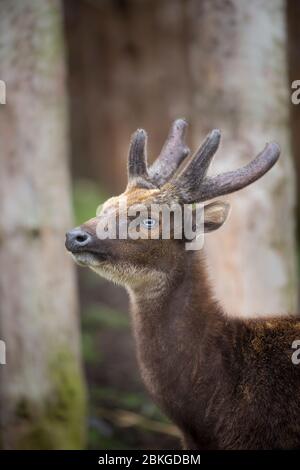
(149, 223)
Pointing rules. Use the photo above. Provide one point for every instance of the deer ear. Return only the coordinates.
(215, 215)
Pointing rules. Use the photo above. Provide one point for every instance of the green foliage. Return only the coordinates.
(95, 318)
(123, 419)
(89, 351)
(86, 198)
(98, 440)
(59, 423)
(101, 316)
(133, 401)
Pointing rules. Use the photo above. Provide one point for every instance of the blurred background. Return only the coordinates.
(80, 77)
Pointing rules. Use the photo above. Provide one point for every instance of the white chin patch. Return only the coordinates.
(85, 259)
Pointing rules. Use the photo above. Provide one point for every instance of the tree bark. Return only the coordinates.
(239, 78)
(42, 391)
(293, 15)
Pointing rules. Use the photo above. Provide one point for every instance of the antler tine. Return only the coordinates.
(137, 160)
(232, 181)
(196, 169)
(172, 154)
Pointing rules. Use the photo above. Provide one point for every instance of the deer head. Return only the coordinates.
(128, 260)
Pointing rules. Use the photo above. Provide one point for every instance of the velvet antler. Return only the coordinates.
(192, 183)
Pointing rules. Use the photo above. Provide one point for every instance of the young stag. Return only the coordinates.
(227, 383)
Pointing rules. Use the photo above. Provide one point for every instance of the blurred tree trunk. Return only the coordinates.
(127, 69)
(293, 16)
(221, 64)
(239, 77)
(42, 392)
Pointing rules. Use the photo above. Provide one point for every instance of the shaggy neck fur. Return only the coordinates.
(175, 318)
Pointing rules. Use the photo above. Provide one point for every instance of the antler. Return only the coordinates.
(194, 186)
(197, 167)
(169, 159)
(234, 180)
(137, 159)
(172, 154)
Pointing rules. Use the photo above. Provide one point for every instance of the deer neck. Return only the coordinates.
(174, 315)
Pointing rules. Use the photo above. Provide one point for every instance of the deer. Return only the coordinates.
(226, 382)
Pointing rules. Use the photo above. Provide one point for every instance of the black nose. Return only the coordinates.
(77, 239)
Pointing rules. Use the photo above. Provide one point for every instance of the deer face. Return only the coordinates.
(127, 241)
(124, 258)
